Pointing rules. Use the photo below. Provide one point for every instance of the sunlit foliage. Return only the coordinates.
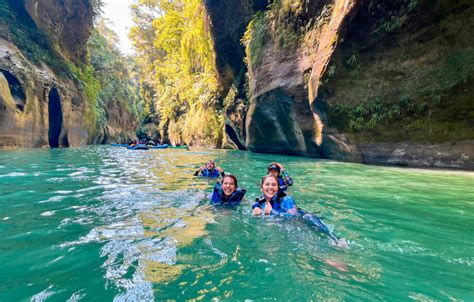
(108, 66)
(178, 77)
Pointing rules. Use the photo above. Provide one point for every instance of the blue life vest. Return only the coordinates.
(218, 196)
(209, 173)
(280, 204)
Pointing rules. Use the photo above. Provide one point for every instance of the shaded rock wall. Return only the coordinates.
(408, 63)
(380, 82)
(26, 123)
(228, 22)
(42, 103)
(68, 23)
(121, 124)
(293, 72)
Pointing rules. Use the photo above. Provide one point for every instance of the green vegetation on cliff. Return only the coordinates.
(102, 77)
(111, 74)
(105, 78)
(284, 23)
(177, 75)
(17, 26)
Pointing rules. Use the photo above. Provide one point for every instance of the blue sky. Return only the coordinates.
(118, 13)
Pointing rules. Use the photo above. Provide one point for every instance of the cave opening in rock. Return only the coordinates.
(16, 89)
(55, 115)
(233, 136)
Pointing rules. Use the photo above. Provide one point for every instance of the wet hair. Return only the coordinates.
(233, 178)
(268, 176)
(273, 166)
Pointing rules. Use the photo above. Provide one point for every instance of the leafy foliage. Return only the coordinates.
(111, 73)
(285, 22)
(16, 25)
(177, 62)
(370, 114)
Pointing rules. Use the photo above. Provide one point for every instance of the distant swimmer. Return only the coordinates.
(227, 193)
(210, 170)
(284, 179)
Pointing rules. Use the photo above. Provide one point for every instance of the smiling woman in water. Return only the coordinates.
(227, 193)
(270, 202)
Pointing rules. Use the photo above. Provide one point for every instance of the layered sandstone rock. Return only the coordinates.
(42, 102)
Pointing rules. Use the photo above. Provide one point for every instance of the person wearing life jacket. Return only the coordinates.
(270, 202)
(227, 193)
(284, 179)
(210, 170)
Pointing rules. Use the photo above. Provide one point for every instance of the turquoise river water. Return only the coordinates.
(105, 223)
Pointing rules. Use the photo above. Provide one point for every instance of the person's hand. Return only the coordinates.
(293, 211)
(280, 166)
(257, 211)
(268, 208)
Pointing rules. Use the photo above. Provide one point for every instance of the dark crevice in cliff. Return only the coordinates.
(55, 115)
(22, 15)
(16, 89)
(233, 136)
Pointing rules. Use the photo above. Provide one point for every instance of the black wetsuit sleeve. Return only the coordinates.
(258, 202)
(286, 178)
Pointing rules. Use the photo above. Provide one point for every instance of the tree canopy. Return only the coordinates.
(178, 77)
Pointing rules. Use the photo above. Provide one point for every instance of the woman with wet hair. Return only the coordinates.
(273, 203)
(227, 193)
(270, 202)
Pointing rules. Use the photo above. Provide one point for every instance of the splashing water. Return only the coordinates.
(108, 223)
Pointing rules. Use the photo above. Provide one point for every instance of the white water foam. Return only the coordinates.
(13, 174)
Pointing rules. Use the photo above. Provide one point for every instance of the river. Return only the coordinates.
(105, 223)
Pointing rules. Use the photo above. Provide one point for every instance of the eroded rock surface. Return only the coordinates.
(367, 79)
(42, 102)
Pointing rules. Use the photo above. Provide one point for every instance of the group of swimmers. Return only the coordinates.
(273, 186)
(272, 201)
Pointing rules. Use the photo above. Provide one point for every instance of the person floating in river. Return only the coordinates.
(271, 203)
(227, 193)
(210, 170)
(284, 180)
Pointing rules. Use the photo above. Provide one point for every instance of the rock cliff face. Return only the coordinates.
(229, 20)
(42, 103)
(373, 81)
(68, 23)
(400, 88)
(36, 109)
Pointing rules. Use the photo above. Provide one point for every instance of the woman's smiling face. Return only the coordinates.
(228, 186)
(269, 187)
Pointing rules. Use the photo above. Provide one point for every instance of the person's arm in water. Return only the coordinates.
(285, 176)
(288, 205)
(221, 171)
(196, 173)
